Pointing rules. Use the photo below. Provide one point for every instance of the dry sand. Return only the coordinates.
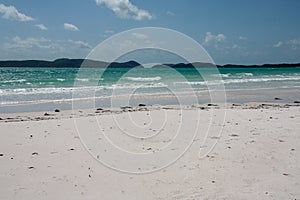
(257, 153)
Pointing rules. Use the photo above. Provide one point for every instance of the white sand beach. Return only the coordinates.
(150, 100)
(256, 156)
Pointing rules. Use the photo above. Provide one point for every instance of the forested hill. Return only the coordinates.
(76, 63)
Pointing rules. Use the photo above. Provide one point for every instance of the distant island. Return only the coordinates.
(77, 63)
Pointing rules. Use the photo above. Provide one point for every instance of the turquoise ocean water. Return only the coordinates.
(19, 86)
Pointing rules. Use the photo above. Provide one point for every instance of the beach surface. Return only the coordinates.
(232, 151)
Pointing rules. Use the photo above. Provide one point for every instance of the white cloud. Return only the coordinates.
(243, 38)
(235, 46)
(210, 38)
(17, 42)
(70, 27)
(43, 48)
(41, 27)
(140, 36)
(170, 13)
(125, 9)
(30, 42)
(80, 44)
(294, 44)
(278, 44)
(11, 13)
(109, 31)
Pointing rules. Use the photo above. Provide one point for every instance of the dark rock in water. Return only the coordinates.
(141, 104)
(30, 167)
(285, 174)
(99, 109)
(1, 154)
(276, 98)
(56, 110)
(296, 101)
(126, 107)
(210, 104)
(71, 149)
(1, 118)
(35, 153)
(46, 114)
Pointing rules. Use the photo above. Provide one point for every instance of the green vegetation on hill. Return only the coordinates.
(76, 63)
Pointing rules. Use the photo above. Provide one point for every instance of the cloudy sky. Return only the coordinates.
(232, 31)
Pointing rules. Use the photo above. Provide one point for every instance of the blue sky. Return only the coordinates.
(232, 31)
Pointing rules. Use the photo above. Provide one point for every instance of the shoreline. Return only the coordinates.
(240, 96)
(83, 113)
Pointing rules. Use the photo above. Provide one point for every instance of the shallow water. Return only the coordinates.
(28, 86)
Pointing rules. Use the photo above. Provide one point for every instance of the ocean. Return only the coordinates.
(21, 88)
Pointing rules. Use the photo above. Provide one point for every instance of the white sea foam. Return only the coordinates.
(52, 90)
(222, 75)
(242, 75)
(89, 79)
(225, 75)
(229, 81)
(60, 79)
(262, 79)
(14, 81)
(157, 78)
(82, 79)
(248, 74)
(133, 86)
